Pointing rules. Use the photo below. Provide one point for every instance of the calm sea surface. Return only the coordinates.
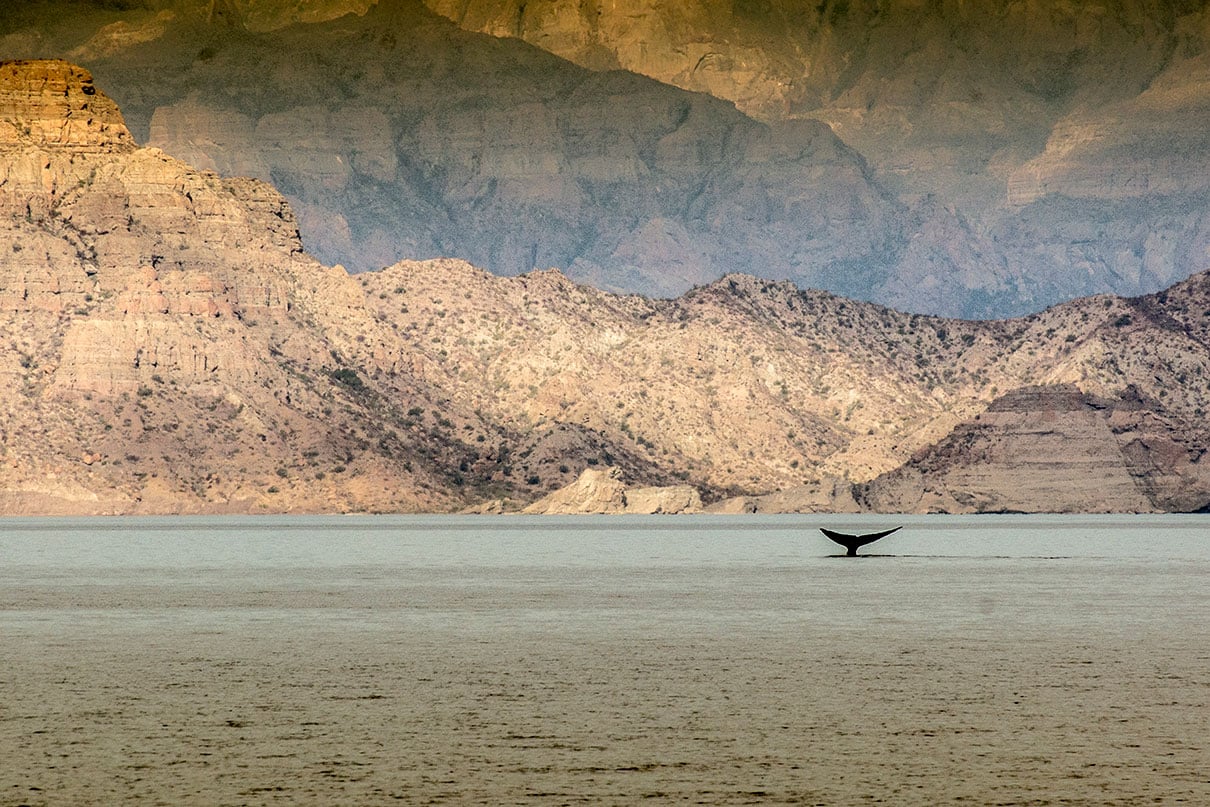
(615, 660)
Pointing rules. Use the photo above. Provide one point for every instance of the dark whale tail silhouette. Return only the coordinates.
(851, 542)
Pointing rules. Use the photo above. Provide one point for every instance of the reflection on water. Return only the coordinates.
(603, 660)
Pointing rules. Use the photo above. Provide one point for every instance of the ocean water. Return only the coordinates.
(611, 660)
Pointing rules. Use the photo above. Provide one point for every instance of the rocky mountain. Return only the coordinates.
(948, 158)
(170, 347)
(1060, 140)
(966, 104)
(395, 134)
(747, 386)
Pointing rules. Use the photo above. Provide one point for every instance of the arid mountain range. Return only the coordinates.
(171, 347)
(963, 159)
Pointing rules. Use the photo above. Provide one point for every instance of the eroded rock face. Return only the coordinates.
(673, 500)
(166, 346)
(831, 495)
(143, 245)
(1051, 449)
(1118, 193)
(596, 491)
(54, 104)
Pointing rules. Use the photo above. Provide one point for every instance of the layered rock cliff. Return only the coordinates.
(168, 345)
(1052, 449)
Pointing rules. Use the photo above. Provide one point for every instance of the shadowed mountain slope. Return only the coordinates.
(397, 135)
(1063, 144)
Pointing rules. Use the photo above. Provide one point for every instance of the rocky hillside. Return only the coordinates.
(748, 386)
(910, 154)
(170, 347)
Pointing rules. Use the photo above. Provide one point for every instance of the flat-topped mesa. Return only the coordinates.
(50, 103)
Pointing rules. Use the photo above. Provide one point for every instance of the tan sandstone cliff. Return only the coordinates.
(166, 343)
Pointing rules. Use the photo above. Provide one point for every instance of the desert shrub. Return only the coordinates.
(348, 377)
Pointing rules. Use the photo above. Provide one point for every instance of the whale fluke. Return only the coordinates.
(851, 542)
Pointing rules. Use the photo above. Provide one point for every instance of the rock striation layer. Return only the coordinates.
(54, 104)
(1051, 449)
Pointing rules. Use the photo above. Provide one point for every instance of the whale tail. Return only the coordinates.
(852, 542)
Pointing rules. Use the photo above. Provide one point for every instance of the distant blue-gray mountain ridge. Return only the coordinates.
(396, 134)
